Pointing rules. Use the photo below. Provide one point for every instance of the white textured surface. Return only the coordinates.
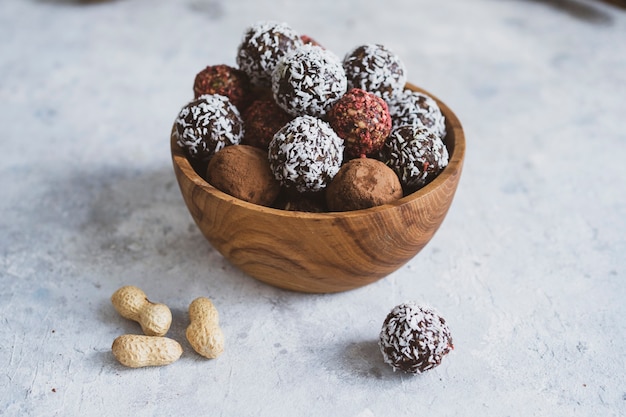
(529, 267)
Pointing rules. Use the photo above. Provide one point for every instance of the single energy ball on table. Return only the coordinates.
(308, 81)
(362, 183)
(305, 154)
(416, 154)
(262, 119)
(243, 171)
(412, 107)
(414, 338)
(262, 46)
(375, 68)
(223, 80)
(362, 120)
(206, 125)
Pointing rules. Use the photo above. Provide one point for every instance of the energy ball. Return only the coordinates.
(416, 154)
(308, 81)
(306, 39)
(224, 80)
(262, 119)
(262, 46)
(362, 183)
(414, 338)
(305, 154)
(206, 125)
(309, 202)
(243, 172)
(362, 120)
(376, 69)
(412, 107)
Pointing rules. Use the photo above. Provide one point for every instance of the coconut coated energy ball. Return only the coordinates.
(362, 120)
(414, 338)
(206, 125)
(305, 154)
(308, 81)
(376, 69)
(416, 154)
(262, 46)
(412, 107)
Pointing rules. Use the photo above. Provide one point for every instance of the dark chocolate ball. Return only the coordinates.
(262, 119)
(206, 125)
(416, 154)
(412, 107)
(362, 120)
(262, 46)
(414, 338)
(308, 81)
(305, 154)
(376, 69)
(308, 202)
(223, 80)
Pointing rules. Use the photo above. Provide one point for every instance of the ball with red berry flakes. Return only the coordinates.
(362, 120)
(224, 80)
(307, 40)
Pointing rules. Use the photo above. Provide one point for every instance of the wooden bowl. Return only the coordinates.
(322, 252)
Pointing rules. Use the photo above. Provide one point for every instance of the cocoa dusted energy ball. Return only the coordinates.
(416, 154)
(362, 183)
(308, 81)
(224, 80)
(362, 120)
(414, 338)
(206, 125)
(412, 107)
(262, 119)
(305, 154)
(262, 46)
(243, 172)
(376, 69)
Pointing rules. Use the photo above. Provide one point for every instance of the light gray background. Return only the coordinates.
(528, 267)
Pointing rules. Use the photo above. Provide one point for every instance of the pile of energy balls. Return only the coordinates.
(312, 132)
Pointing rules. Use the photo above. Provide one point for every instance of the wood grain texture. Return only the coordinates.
(322, 252)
